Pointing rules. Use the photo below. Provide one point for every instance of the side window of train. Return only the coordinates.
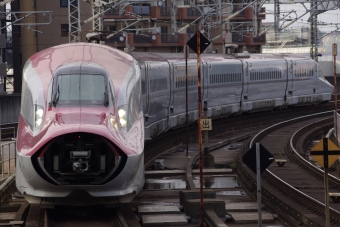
(27, 110)
(134, 107)
(49, 92)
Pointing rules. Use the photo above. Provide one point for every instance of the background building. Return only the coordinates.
(2, 51)
(31, 39)
(149, 26)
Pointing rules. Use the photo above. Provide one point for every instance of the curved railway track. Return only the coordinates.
(295, 191)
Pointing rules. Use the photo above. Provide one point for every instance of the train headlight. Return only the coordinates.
(114, 123)
(38, 115)
(122, 116)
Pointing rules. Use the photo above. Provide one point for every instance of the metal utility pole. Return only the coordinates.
(255, 26)
(335, 50)
(74, 21)
(98, 21)
(313, 31)
(173, 17)
(276, 17)
(258, 180)
(186, 50)
(201, 224)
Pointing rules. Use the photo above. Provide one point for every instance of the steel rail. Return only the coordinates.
(301, 198)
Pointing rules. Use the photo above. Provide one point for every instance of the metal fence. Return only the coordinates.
(8, 160)
(238, 37)
(115, 38)
(141, 10)
(142, 38)
(261, 38)
(169, 38)
(193, 12)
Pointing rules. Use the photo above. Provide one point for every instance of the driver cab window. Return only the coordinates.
(80, 90)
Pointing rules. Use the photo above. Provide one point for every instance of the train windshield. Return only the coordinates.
(80, 90)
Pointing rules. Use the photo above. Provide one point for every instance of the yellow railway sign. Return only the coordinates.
(206, 124)
(325, 152)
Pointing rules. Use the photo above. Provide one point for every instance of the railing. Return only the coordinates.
(142, 38)
(238, 37)
(261, 38)
(115, 38)
(141, 10)
(112, 12)
(169, 38)
(7, 159)
(165, 11)
(193, 12)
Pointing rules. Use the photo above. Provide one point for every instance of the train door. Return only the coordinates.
(205, 75)
(290, 77)
(245, 104)
(169, 108)
(287, 72)
(145, 93)
(178, 92)
(315, 75)
(158, 96)
(245, 80)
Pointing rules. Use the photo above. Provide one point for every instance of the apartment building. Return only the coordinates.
(151, 26)
(43, 33)
(144, 36)
(3, 45)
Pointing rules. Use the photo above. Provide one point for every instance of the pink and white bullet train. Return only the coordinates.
(86, 110)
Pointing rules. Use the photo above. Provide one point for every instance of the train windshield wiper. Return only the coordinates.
(56, 97)
(106, 99)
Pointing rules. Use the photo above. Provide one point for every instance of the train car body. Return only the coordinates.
(87, 109)
(229, 85)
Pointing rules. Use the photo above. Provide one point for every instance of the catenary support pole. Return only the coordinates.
(258, 176)
(201, 224)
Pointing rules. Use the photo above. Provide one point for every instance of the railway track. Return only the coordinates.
(176, 138)
(296, 190)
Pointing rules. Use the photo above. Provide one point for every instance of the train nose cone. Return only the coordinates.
(92, 118)
(80, 116)
(66, 118)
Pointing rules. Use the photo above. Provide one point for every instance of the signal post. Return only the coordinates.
(325, 152)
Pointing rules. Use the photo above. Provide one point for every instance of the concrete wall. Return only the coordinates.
(9, 108)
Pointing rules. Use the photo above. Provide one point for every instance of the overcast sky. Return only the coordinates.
(331, 16)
